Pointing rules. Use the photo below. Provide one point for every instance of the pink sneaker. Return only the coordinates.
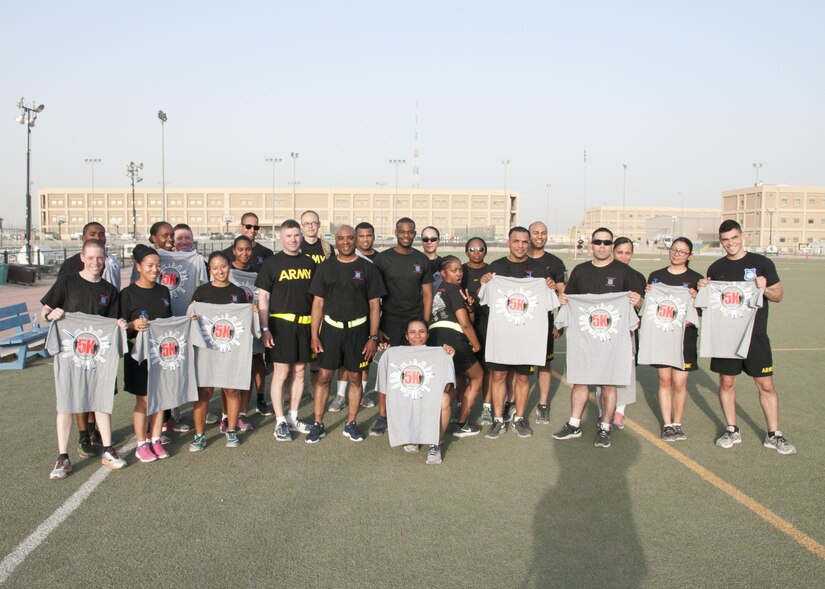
(244, 425)
(224, 425)
(159, 450)
(145, 454)
(618, 420)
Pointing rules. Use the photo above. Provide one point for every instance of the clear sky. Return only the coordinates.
(687, 94)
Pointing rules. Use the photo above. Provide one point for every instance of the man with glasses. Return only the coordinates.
(409, 286)
(313, 246)
(601, 275)
(553, 268)
(249, 228)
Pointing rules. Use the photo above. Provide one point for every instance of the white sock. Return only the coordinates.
(604, 426)
(574, 422)
(143, 443)
(293, 417)
(242, 414)
(342, 388)
(224, 416)
(487, 405)
(281, 419)
(364, 387)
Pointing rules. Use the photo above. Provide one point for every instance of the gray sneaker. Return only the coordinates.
(282, 432)
(602, 438)
(434, 455)
(567, 432)
(211, 418)
(113, 460)
(338, 403)
(728, 439)
(669, 434)
(486, 416)
(468, 429)
(379, 428)
(298, 426)
(366, 401)
(522, 428)
(542, 414)
(495, 430)
(61, 469)
(679, 434)
(510, 413)
(779, 443)
(232, 440)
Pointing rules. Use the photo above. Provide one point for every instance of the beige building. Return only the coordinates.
(634, 222)
(788, 217)
(489, 213)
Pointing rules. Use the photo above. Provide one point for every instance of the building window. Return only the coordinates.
(797, 201)
(362, 202)
(74, 202)
(422, 203)
(812, 201)
(195, 202)
(783, 220)
(246, 202)
(781, 239)
(342, 203)
(796, 240)
(796, 220)
(810, 221)
(154, 202)
(783, 201)
(440, 203)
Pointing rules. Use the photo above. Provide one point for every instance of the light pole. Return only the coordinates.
(757, 167)
(274, 161)
(28, 116)
(133, 172)
(682, 204)
(116, 221)
(92, 161)
(162, 117)
(771, 212)
(672, 228)
(624, 197)
(60, 220)
(549, 186)
(381, 184)
(397, 164)
(294, 156)
(227, 219)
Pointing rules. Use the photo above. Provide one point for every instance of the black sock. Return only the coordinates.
(83, 435)
(62, 456)
(771, 434)
(108, 449)
(461, 425)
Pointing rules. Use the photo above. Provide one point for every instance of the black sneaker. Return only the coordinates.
(668, 434)
(468, 429)
(522, 428)
(263, 408)
(316, 432)
(603, 438)
(679, 434)
(379, 428)
(507, 406)
(353, 432)
(542, 414)
(567, 432)
(85, 447)
(495, 430)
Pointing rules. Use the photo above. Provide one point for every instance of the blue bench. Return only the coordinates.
(17, 317)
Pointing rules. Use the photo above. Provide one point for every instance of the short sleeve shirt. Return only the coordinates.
(403, 277)
(75, 294)
(181, 273)
(259, 254)
(747, 269)
(347, 287)
(614, 277)
(287, 279)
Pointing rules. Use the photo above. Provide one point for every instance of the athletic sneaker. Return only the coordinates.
(728, 439)
(509, 411)
(779, 443)
(198, 444)
(434, 455)
(159, 450)
(679, 434)
(379, 428)
(282, 432)
(224, 425)
(495, 430)
(173, 425)
(94, 438)
(144, 453)
(244, 425)
(112, 459)
(211, 418)
(232, 440)
(298, 426)
(367, 402)
(411, 448)
(542, 414)
(61, 469)
(468, 429)
(316, 432)
(618, 420)
(567, 432)
(338, 403)
(602, 438)
(85, 447)
(165, 440)
(353, 432)
(522, 428)
(486, 416)
(669, 434)
(263, 407)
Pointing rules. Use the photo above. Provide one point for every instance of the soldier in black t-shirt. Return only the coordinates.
(313, 246)
(249, 228)
(474, 269)
(345, 316)
(739, 265)
(285, 304)
(364, 240)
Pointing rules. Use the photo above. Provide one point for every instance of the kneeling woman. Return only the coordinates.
(141, 302)
(452, 324)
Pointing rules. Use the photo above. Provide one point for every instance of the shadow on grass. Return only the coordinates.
(584, 530)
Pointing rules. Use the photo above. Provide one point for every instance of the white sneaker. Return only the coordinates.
(728, 439)
(113, 460)
(779, 443)
(298, 426)
(411, 448)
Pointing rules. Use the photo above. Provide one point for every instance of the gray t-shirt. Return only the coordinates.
(86, 349)
(181, 273)
(413, 378)
(728, 316)
(599, 338)
(168, 345)
(228, 331)
(518, 324)
(246, 280)
(111, 271)
(665, 312)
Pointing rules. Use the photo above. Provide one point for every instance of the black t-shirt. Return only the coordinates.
(686, 279)
(435, 264)
(219, 295)
(403, 276)
(471, 280)
(529, 268)
(347, 287)
(639, 280)
(314, 251)
(259, 254)
(615, 277)
(75, 294)
(370, 256)
(287, 279)
(446, 302)
(747, 268)
(553, 266)
(155, 301)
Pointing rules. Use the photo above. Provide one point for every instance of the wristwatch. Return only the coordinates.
(374, 338)
(264, 329)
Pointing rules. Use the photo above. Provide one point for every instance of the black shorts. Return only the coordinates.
(135, 376)
(758, 363)
(689, 351)
(551, 340)
(395, 328)
(292, 342)
(464, 357)
(343, 347)
(480, 325)
(522, 369)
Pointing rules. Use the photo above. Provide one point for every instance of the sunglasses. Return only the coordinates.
(602, 242)
(255, 227)
(429, 239)
(476, 250)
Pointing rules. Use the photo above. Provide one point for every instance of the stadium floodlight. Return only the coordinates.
(28, 116)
